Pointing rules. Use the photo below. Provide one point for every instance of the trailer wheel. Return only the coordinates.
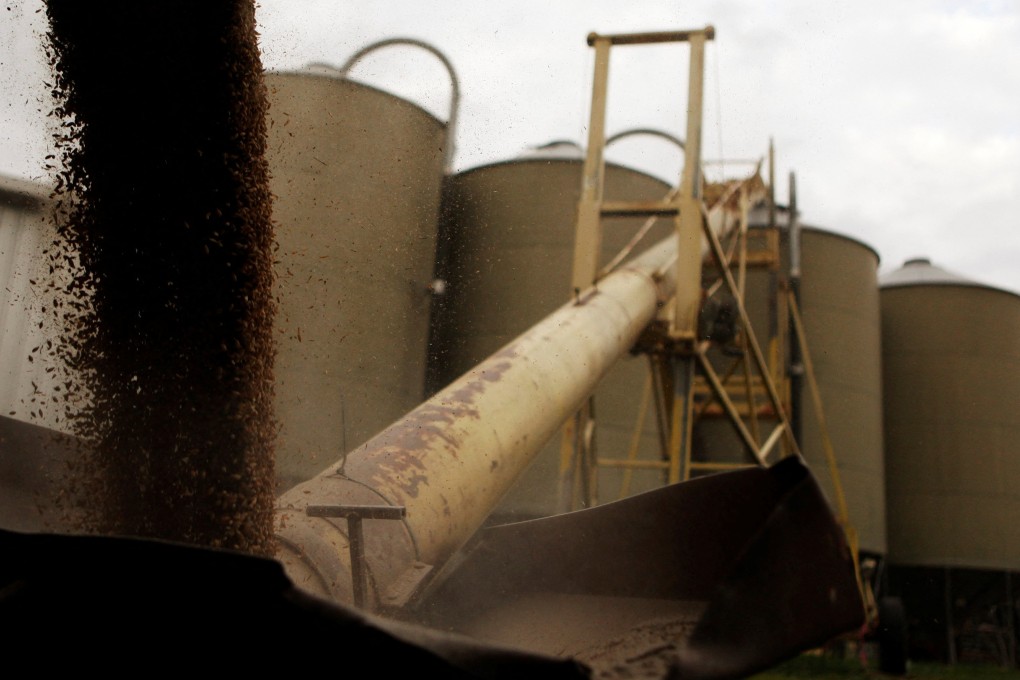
(892, 636)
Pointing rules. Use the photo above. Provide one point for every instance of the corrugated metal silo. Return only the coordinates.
(509, 233)
(840, 308)
(26, 229)
(951, 357)
(951, 365)
(32, 459)
(357, 175)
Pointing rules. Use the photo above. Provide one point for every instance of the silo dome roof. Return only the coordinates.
(919, 271)
(559, 149)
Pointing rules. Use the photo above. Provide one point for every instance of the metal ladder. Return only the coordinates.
(742, 382)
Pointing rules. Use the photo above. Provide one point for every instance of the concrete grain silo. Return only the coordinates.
(357, 175)
(508, 237)
(951, 365)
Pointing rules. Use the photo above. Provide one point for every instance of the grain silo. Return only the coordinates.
(840, 308)
(25, 232)
(357, 175)
(31, 462)
(951, 361)
(508, 233)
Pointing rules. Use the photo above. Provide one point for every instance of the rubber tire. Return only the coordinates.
(892, 636)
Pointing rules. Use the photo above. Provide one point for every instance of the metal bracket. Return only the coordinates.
(354, 514)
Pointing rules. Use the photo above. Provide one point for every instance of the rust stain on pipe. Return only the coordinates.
(452, 459)
(449, 461)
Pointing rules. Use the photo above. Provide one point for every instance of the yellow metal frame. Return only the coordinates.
(578, 457)
(675, 374)
(679, 365)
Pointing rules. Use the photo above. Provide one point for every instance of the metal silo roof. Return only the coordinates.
(919, 271)
(23, 192)
(559, 150)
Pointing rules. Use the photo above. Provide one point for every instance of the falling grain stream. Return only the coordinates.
(165, 240)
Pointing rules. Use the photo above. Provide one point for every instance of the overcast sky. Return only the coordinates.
(900, 119)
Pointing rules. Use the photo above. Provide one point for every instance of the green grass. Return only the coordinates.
(831, 668)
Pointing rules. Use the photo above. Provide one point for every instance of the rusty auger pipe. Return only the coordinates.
(451, 459)
(408, 499)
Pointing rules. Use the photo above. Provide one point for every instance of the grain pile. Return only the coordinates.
(647, 652)
(165, 309)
